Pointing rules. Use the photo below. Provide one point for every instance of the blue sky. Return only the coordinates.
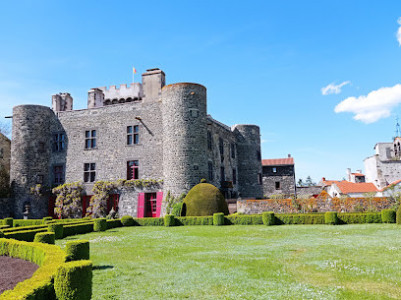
(263, 62)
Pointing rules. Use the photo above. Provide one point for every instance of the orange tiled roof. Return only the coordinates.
(329, 182)
(347, 187)
(357, 174)
(278, 161)
(391, 184)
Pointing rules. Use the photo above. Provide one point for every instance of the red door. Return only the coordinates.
(52, 202)
(150, 205)
(85, 204)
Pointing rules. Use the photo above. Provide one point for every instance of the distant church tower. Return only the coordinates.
(397, 141)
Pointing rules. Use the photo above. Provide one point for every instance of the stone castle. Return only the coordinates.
(145, 130)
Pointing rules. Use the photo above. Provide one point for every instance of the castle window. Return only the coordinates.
(258, 156)
(133, 135)
(209, 140)
(89, 172)
(222, 174)
(58, 172)
(260, 178)
(41, 147)
(277, 185)
(58, 142)
(132, 169)
(234, 176)
(39, 179)
(1, 153)
(210, 170)
(232, 150)
(274, 170)
(90, 139)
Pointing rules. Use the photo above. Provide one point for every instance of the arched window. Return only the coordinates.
(107, 102)
(122, 100)
(115, 101)
(128, 99)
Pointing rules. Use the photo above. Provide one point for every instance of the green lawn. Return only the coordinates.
(247, 262)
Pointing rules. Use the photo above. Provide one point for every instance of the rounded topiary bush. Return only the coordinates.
(45, 220)
(127, 221)
(57, 228)
(77, 250)
(268, 218)
(45, 237)
(100, 224)
(331, 218)
(169, 220)
(73, 280)
(204, 199)
(8, 221)
(218, 219)
(398, 215)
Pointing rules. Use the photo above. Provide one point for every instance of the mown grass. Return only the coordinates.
(247, 262)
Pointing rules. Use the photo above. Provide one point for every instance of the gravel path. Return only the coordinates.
(14, 270)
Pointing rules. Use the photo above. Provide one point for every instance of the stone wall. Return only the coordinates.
(6, 205)
(128, 201)
(5, 152)
(319, 204)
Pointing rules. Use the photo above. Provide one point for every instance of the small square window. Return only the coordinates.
(133, 135)
(277, 185)
(89, 172)
(274, 169)
(132, 169)
(90, 139)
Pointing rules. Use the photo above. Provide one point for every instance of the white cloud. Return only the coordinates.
(399, 32)
(333, 89)
(374, 106)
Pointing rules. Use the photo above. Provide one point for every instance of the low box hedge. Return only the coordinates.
(388, 215)
(304, 219)
(114, 224)
(100, 224)
(45, 237)
(24, 235)
(127, 221)
(23, 228)
(359, 218)
(57, 228)
(169, 220)
(218, 219)
(243, 220)
(149, 221)
(29, 222)
(331, 218)
(4, 226)
(77, 250)
(268, 218)
(81, 287)
(77, 229)
(201, 220)
(40, 285)
(8, 221)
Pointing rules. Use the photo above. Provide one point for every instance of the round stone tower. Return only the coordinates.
(249, 161)
(184, 136)
(30, 156)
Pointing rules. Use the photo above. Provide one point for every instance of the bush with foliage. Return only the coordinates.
(218, 219)
(68, 202)
(169, 220)
(268, 218)
(359, 218)
(149, 221)
(173, 204)
(47, 219)
(73, 280)
(77, 250)
(331, 218)
(8, 221)
(398, 215)
(77, 229)
(388, 215)
(114, 224)
(204, 199)
(58, 230)
(204, 220)
(238, 219)
(45, 237)
(100, 224)
(24, 235)
(127, 221)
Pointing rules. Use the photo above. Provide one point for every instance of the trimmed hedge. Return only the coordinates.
(359, 218)
(169, 220)
(218, 219)
(268, 218)
(77, 250)
(398, 215)
(180, 221)
(57, 228)
(24, 235)
(100, 224)
(149, 221)
(47, 219)
(4, 226)
(45, 237)
(331, 218)
(388, 215)
(74, 281)
(24, 228)
(304, 219)
(243, 220)
(29, 222)
(8, 221)
(77, 229)
(40, 285)
(113, 224)
(127, 221)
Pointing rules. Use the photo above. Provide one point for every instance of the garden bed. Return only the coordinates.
(14, 270)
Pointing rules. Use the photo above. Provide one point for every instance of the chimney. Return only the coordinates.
(323, 178)
(349, 174)
(289, 155)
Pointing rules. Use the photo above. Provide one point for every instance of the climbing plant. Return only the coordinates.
(68, 202)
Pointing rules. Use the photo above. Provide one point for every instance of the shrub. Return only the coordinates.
(331, 218)
(29, 222)
(57, 228)
(24, 235)
(4, 227)
(312, 218)
(169, 220)
(47, 219)
(100, 225)
(77, 250)
(176, 211)
(359, 218)
(149, 221)
(268, 218)
(1, 234)
(204, 199)
(207, 220)
(23, 228)
(45, 237)
(127, 221)
(113, 224)
(237, 219)
(77, 229)
(8, 221)
(40, 285)
(68, 203)
(218, 219)
(398, 215)
(74, 280)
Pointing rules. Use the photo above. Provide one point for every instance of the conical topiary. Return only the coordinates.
(204, 199)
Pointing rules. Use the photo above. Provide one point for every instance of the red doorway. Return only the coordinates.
(149, 204)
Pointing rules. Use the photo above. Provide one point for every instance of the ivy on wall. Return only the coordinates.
(68, 202)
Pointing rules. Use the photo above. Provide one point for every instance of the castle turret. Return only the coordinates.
(30, 156)
(153, 80)
(62, 102)
(95, 98)
(184, 136)
(249, 161)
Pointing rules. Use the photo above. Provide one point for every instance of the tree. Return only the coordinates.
(300, 182)
(309, 181)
